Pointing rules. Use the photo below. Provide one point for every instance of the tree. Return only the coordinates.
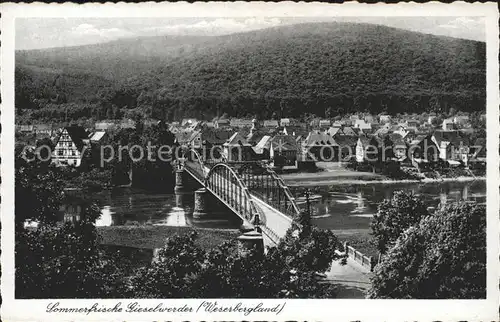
(64, 261)
(38, 192)
(394, 216)
(289, 270)
(441, 257)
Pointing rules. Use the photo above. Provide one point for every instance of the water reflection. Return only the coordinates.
(128, 206)
(334, 207)
(352, 207)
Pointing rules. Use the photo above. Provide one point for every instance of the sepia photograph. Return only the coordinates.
(249, 157)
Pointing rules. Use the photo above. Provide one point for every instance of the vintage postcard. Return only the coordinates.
(249, 161)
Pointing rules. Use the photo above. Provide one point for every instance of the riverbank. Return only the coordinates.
(151, 237)
(348, 177)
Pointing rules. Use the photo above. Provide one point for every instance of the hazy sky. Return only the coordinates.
(33, 33)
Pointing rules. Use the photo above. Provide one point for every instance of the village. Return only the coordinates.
(420, 145)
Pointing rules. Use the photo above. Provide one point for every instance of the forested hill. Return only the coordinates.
(289, 70)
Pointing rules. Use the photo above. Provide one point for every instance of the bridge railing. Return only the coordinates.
(225, 183)
(269, 187)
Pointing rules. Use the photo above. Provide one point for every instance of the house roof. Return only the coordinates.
(454, 137)
(264, 143)
(365, 140)
(255, 136)
(397, 139)
(382, 131)
(349, 131)
(77, 135)
(43, 127)
(284, 142)
(333, 131)
(271, 123)
(237, 140)
(97, 136)
(215, 136)
(346, 140)
(183, 137)
(319, 139)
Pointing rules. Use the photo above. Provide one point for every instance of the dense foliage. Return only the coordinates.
(443, 256)
(395, 216)
(321, 68)
(183, 269)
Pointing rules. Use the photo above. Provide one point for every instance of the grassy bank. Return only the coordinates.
(150, 237)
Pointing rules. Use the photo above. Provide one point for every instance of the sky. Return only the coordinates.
(37, 33)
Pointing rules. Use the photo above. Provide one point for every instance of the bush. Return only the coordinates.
(441, 257)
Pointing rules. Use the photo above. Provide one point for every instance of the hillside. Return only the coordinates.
(289, 70)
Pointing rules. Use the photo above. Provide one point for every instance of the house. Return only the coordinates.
(401, 130)
(461, 120)
(193, 125)
(337, 124)
(347, 130)
(183, 137)
(271, 124)
(26, 128)
(477, 153)
(187, 121)
(448, 125)
(423, 151)
(105, 125)
(294, 130)
(221, 123)
(431, 118)
(362, 125)
(285, 147)
(237, 149)
(98, 137)
(240, 123)
(367, 149)
(453, 147)
(332, 131)
(129, 124)
(209, 138)
(399, 146)
(369, 118)
(151, 122)
(347, 146)
(288, 122)
(262, 148)
(381, 132)
(43, 130)
(69, 146)
(385, 118)
(321, 146)
(411, 124)
(323, 124)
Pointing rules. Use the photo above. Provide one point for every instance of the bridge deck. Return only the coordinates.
(274, 223)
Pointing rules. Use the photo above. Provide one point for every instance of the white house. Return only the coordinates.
(69, 146)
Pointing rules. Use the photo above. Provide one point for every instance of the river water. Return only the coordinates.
(334, 207)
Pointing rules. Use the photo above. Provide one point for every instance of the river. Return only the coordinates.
(334, 207)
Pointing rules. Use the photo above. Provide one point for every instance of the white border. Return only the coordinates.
(365, 310)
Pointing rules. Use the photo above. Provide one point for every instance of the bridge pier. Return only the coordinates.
(179, 181)
(249, 240)
(200, 204)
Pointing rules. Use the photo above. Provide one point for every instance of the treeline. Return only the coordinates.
(288, 70)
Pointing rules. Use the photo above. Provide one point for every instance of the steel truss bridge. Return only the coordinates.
(251, 190)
